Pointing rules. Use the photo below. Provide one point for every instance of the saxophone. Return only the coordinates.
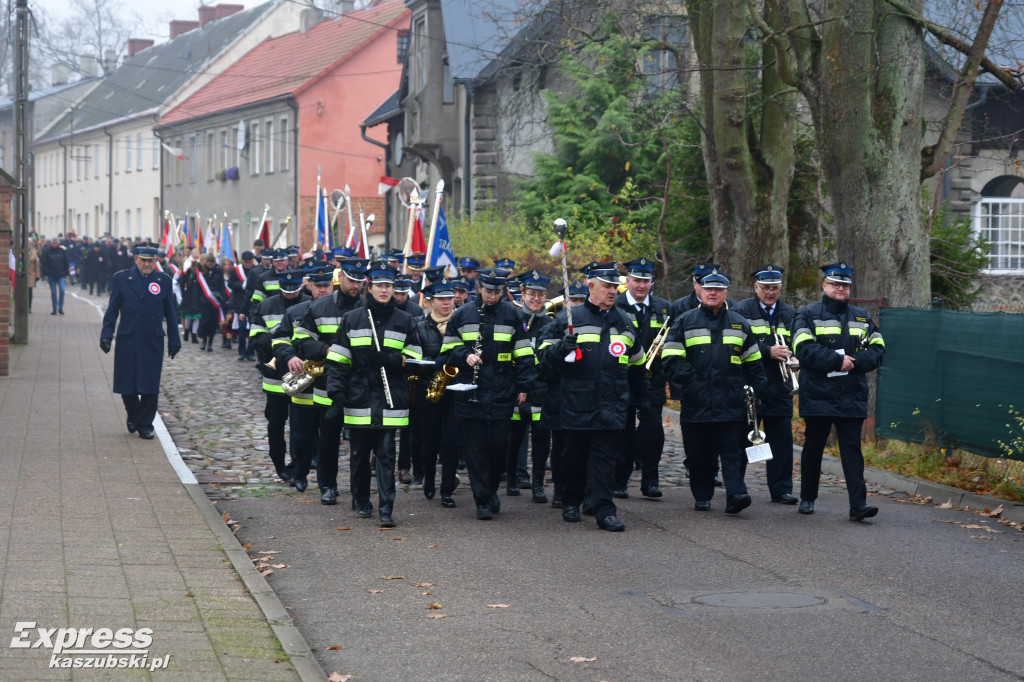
(439, 382)
(293, 384)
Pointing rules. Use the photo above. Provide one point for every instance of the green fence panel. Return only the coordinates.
(953, 376)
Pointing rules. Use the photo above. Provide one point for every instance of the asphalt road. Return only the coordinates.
(916, 594)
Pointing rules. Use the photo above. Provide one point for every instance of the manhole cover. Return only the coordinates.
(760, 600)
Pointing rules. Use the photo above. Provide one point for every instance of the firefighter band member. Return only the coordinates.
(837, 345)
(711, 354)
(526, 417)
(771, 322)
(313, 338)
(264, 318)
(304, 417)
(486, 342)
(366, 381)
(143, 300)
(642, 443)
(600, 365)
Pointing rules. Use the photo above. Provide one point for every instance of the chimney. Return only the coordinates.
(309, 18)
(137, 45)
(228, 10)
(58, 73)
(344, 6)
(88, 66)
(207, 13)
(179, 26)
(109, 60)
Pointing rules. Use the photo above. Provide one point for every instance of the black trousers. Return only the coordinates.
(438, 433)
(557, 461)
(484, 442)
(779, 469)
(589, 464)
(305, 431)
(540, 448)
(641, 441)
(243, 337)
(408, 449)
(706, 441)
(363, 442)
(327, 452)
(141, 409)
(816, 435)
(276, 412)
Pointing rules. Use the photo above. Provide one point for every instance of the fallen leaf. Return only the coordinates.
(338, 677)
(246, 546)
(974, 526)
(266, 572)
(396, 538)
(434, 606)
(269, 551)
(498, 606)
(334, 648)
(436, 615)
(948, 504)
(376, 591)
(392, 577)
(424, 594)
(582, 659)
(306, 501)
(949, 521)
(983, 537)
(344, 528)
(995, 513)
(280, 565)
(431, 546)
(423, 585)
(225, 516)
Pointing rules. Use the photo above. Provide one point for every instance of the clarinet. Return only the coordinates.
(478, 348)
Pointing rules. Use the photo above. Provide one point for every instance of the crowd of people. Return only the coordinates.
(489, 373)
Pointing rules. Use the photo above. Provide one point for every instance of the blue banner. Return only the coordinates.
(441, 253)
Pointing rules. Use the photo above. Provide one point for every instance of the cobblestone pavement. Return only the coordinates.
(212, 405)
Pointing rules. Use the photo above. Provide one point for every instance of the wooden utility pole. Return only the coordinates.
(21, 142)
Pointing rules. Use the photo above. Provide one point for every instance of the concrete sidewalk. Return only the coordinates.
(98, 531)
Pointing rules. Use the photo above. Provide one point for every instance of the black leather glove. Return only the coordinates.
(392, 361)
(171, 352)
(334, 411)
(105, 345)
(643, 410)
(570, 343)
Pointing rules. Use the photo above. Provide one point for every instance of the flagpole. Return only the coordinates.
(438, 193)
(351, 223)
(362, 230)
(316, 222)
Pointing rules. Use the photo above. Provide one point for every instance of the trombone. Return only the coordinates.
(785, 369)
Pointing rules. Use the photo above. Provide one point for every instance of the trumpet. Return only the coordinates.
(756, 436)
(788, 372)
(656, 344)
(439, 382)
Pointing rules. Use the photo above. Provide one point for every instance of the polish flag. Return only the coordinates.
(176, 152)
(385, 183)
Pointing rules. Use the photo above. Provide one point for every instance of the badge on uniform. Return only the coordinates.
(154, 288)
(617, 349)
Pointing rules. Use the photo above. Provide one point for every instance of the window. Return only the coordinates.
(127, 154)
(87, 160)
(86, 223)
(420, 54)
(78, 223)
(156, 153)
(117, 224)
(1000, 222)
(283, 155)
(403, 46)
(224, 149)
(78, 162)
(138, 145)
(178, 166)
(447, 86)
(254, 148)
(209, 156)
(660, 66)
(192, 144)
(233, 158)
(96, 156)
(128, 222)
(270, 144)
(138, 219)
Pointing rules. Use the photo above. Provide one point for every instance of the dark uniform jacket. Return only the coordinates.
(265, 317)
(411, 307)
(534, 326)
(282, 348)
(54, 263)
(823, 328)
(549, 379)
(508, 367)
(712, 356)
(356, 382)
(143, 303)
(263, 286)
(655, 316)
(316, 331)
(595, 391)
(776, 400)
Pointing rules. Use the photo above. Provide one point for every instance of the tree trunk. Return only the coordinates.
(748, 154)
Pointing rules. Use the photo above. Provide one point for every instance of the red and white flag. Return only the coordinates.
(385, 183)
(176, 152)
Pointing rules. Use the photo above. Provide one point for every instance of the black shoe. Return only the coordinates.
(651, 491)
(329, 496)
(484, 512)
(806, 507)
(209, 346)
(495, 503)
(130, 423)
(429, 494)
(146, 433)
(385, 519)
(586, 507)
(863, 512)
(241, 358)
(61, 311)
(718, 482)
(571, 514)
(417, 482)
(54, 312)
(447, 502)
(364, 510)
(620, 494)
(737, 503)
(556, 501)
(194, 339)
(300, 483)
(203, 346)
(611, 523)
(538, 496)
(524, 481)
(785, 498)
(702, 505)
(512, 490)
